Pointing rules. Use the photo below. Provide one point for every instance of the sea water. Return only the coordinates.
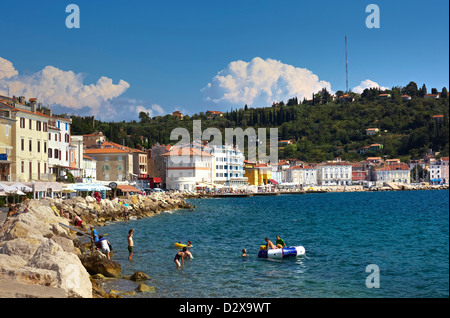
(405, 234)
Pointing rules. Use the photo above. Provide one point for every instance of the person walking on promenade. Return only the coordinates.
(130, 244)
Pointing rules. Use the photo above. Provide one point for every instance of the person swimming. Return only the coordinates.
(181, 256)
(244, 253)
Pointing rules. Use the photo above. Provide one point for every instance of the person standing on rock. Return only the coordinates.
(104, 246)
(94, 238)
(130, 244)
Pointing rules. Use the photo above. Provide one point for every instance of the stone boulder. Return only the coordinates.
(96, 262)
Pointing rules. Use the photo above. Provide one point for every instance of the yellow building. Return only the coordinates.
(6, 143)
(29, 137)
(257, 173)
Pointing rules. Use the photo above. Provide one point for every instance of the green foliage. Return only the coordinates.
(321, 129)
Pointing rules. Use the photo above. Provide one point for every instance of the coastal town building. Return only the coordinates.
(113, 163)
(188, 168)
(394, 172)
(258, 174)
(334, 173)
(6, 143)
(88, 170)
(228, 164)
(372, 131)
(77, 146)
(29, 128)
(302, 175)
(438, 171)
(177, 114)
(406, 98)
(59, 146)
(214, 114)
(157, 164)
(93, 140)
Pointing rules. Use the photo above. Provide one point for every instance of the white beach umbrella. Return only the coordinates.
(5, 188)
(22, 187)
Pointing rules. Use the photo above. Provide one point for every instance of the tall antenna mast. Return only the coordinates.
(346, 65)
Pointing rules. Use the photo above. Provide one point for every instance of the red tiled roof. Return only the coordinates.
(180, 152)
(103, 150)
(395, 166)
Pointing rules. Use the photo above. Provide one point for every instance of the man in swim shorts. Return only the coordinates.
(130, 244)
(280, 242)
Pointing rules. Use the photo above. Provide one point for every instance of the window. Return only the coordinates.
(7, 130)
(67, 155)
(120, 158)
(30, 122)
(106, 158)
(56, 153)
(22, 144)
(38, 125)
(50, 152)
(45, 127)
(45, 147)
(106, 176)
(38, 146)
(120, 167)
(31, 171)
(30, 145)
(106, 167)
(22, 168)
(22, 122)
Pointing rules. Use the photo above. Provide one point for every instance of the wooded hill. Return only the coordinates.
(320, 129)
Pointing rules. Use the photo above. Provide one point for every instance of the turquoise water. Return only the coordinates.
(406, 234)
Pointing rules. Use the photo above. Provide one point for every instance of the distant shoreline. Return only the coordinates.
(333, 189)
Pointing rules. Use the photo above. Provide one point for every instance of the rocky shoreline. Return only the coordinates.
(42, 258)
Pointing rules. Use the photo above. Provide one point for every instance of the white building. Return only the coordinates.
(438, 171)
(302, 175)
(334, 173)
(88, 170)
(228, 165)
(78, 152)
(188, 168)
(395, 172)
(58, 145)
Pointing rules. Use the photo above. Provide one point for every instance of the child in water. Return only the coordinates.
(244, 253)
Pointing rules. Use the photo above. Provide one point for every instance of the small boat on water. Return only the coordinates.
(292, 251)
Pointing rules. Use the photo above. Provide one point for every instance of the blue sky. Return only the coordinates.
(168, 51)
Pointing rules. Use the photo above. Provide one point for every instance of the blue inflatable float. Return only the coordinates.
(293, 251)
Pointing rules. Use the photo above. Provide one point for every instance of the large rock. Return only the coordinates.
(71, 275)
(97, 263)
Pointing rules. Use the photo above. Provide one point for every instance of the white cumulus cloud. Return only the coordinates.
(261, 82)
(53, 86)
(7, 69)
(154, 110)
(367, 84)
